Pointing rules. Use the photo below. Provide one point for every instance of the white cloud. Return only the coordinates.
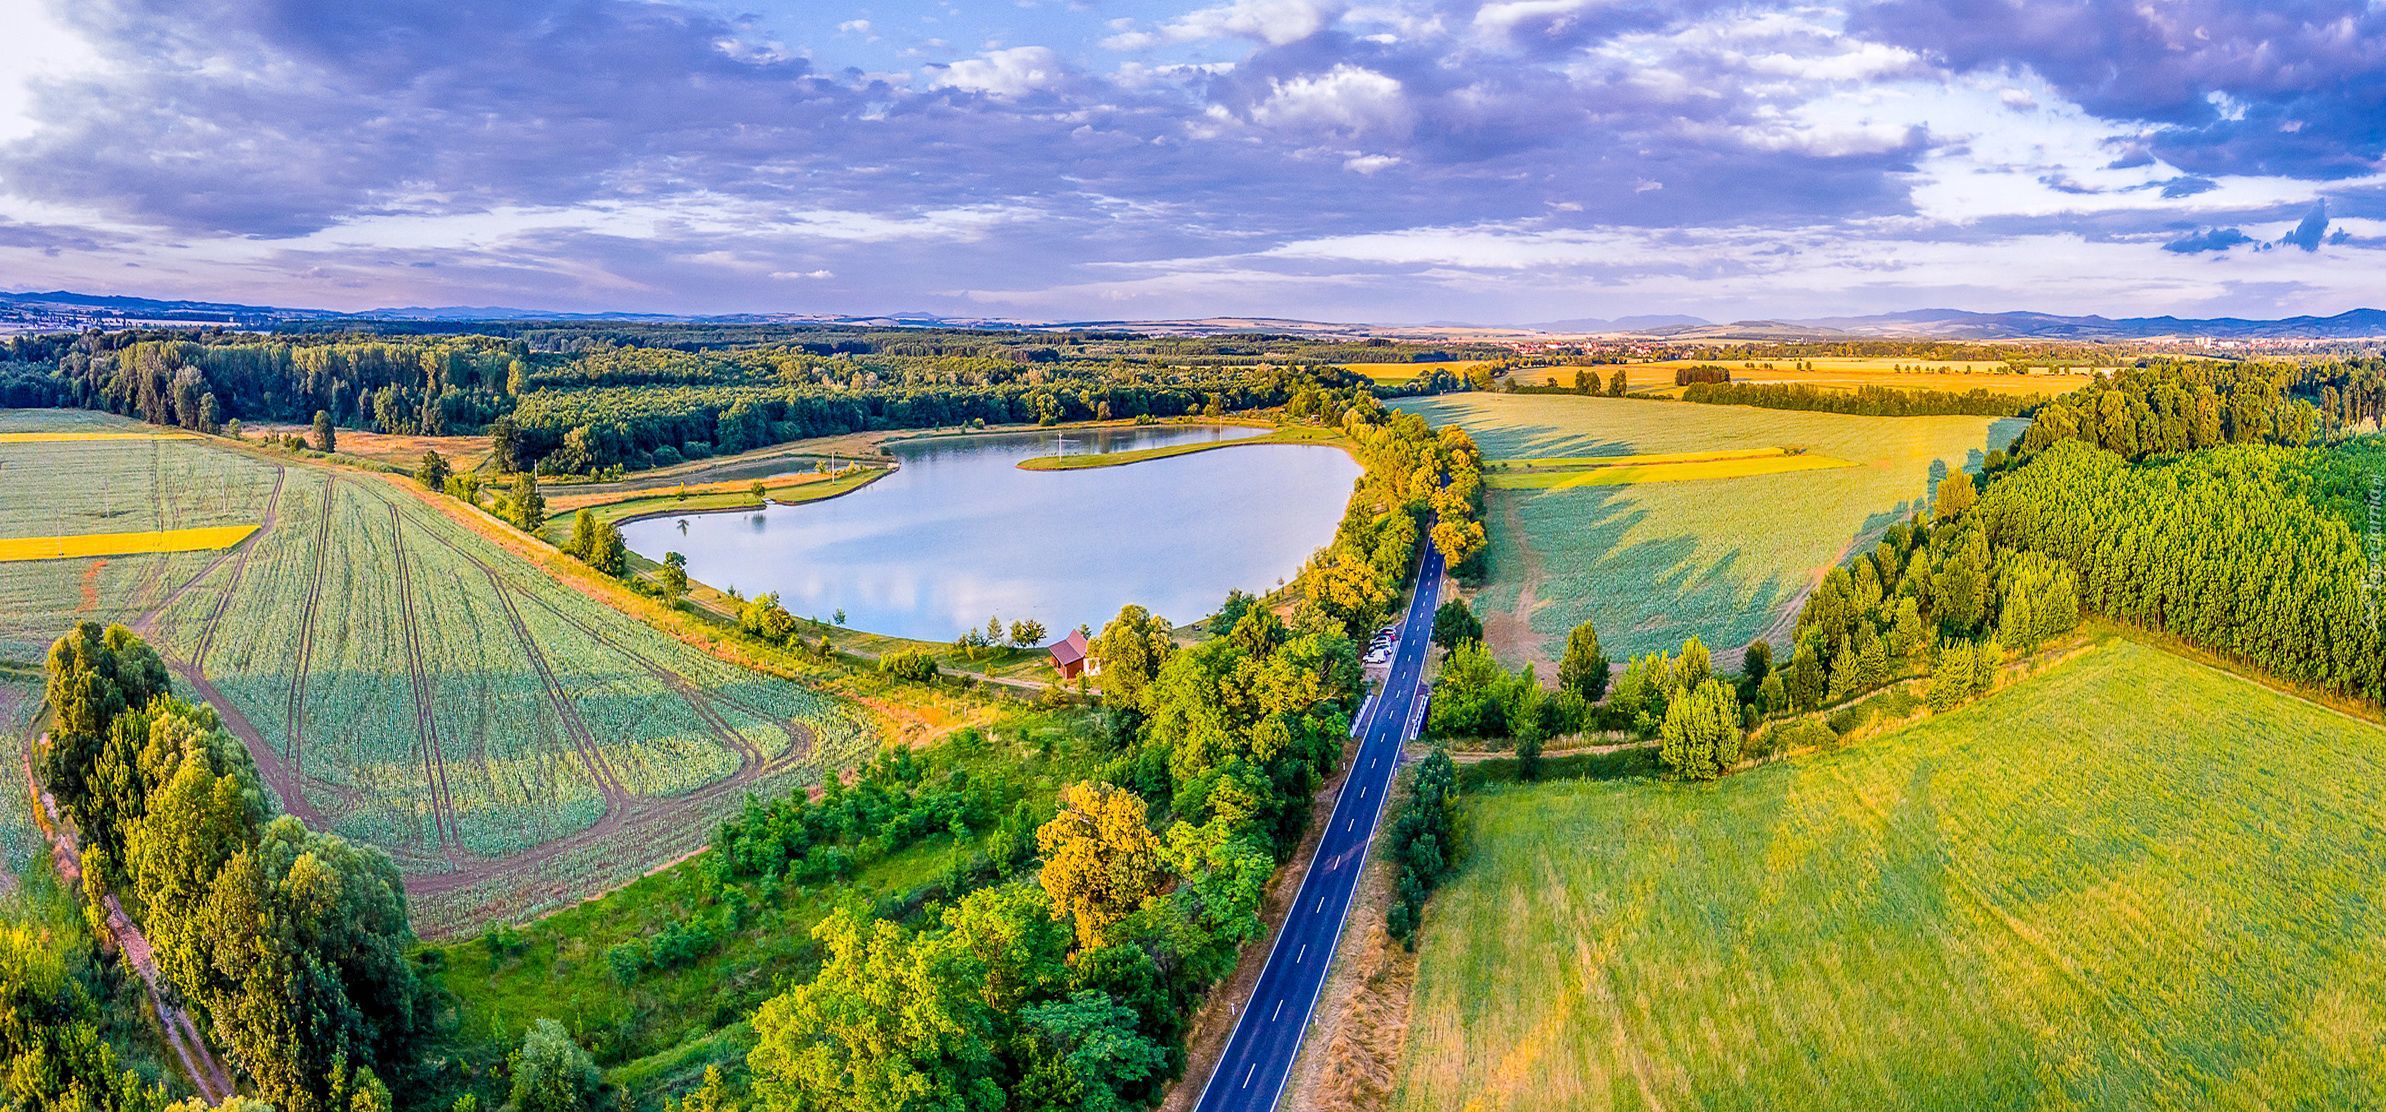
(1015, 72)
(1347, 99)
(1275, 22)
(36, 48)
(801, 275)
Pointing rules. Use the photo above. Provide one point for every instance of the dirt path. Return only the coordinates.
(584, 740)
(278, 774)
(1510, 633)
(182, 1036)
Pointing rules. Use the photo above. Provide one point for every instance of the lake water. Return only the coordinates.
(960, 533)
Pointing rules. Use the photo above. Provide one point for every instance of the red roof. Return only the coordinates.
(1070, 650)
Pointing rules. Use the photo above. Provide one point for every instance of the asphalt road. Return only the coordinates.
(1267, 1037)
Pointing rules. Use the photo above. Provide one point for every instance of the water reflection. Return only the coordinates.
(960, 533)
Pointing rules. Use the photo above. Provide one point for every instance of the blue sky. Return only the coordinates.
(1508, 161)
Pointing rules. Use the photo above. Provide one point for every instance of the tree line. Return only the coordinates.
(1871, 401)
(289, 944)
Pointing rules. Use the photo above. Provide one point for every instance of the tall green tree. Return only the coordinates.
(1583, 669)
(1454, 624)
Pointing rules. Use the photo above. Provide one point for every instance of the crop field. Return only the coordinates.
(76, 545)
(1393, 374)
(1840, 372)
(2132, 881)
(134, 482)
(1562, 472)
(405, 682)
(1650, 563)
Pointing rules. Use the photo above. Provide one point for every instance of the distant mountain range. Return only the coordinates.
(1958, 324)
(61, 310)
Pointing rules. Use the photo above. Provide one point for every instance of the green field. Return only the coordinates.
(404, 682)
(1653, 563)
(2131, 881)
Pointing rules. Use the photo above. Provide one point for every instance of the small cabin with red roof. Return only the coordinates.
(1071, 657)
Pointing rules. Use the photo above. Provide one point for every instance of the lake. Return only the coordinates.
(959, 533)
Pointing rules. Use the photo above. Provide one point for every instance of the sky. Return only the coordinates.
(1394, 161)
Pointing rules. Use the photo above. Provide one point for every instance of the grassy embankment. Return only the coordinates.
(785, 490)
(2132, 880)
(656, 1031)
(1724, 557)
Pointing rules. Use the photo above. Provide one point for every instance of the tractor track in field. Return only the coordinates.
(239, 555)
(156, 571)
(303, 655)
(443, 804)
(750, 758)
(271, 767)
(583, 739)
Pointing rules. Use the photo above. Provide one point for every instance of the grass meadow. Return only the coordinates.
(2130, 881)
(1651, 563)
(405, 682)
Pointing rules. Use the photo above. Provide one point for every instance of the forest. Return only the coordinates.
(572, 399)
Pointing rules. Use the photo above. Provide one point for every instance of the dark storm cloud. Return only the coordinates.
(2287, 87)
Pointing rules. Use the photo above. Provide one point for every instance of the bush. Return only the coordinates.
(909, 664)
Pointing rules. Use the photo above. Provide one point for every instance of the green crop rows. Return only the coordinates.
(409, 684)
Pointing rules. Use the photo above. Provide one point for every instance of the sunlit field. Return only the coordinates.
(1838, 372)
(2133, 881)
(1724, 558)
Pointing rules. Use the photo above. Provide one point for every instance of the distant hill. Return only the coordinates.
(63, 310)
(1958, 324)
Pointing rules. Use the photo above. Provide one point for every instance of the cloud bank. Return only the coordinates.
(1507, 161)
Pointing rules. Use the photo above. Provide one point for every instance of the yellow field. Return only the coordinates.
(50, 437)
(1562, 472)
(84, 545)
(1841, 372)
(1393, 374)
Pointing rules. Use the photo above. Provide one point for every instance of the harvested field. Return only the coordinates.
(1841, 373)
